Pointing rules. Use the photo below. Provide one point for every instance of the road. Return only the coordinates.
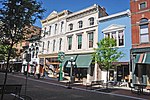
(41, 89)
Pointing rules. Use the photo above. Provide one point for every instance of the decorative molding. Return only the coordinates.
(124, 13)
(113, 27)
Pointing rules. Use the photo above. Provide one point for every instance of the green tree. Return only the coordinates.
(4, 52)
(106, 54)
(16, 17)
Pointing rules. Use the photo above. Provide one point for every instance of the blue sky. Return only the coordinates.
(112, 6)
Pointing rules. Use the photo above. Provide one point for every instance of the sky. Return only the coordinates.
(111, 6)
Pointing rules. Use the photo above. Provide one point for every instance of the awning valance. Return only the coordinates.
(84, 61)
(65, 61)
(143, 58)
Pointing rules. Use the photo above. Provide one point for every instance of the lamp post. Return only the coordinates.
(28, 59)
(61, 56)
(72, 78)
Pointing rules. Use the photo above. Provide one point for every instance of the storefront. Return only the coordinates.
(49, 65)
(82, 67)
(140, 58)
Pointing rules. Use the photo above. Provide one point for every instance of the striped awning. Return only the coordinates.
(143, 58)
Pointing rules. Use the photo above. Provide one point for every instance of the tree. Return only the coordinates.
(106, 54)
(16, 16)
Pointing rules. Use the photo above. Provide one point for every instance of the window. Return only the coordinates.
(117, 35)
(50, 30)
(54, 45)
(43, 47)
(91, 21)
(120, 38)
(70, 27)
(55, 28)
(90, 35)
(60, 43)
(144, 34)
(80, 24)
(69, 42)
(48, 45)
(62, 23)
(79, 41)
(143, 5)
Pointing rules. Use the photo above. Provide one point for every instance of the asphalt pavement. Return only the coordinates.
(51, 89)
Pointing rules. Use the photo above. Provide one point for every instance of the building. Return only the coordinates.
(140, 19)
(53, 41)
(31, 45)
(81, 37)
(117, 26)
(77, 40)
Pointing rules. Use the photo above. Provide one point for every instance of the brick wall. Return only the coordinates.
(136, 15)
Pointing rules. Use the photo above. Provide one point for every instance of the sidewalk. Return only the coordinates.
(125, 91)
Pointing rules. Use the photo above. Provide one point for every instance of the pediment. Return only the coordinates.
(54, 13)
(113, 27)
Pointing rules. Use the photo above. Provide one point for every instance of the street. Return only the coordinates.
(42, 89)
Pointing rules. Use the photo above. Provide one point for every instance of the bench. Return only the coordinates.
(11, 89)
(95, 83)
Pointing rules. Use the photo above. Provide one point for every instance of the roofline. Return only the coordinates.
(127, 12)
(83, 10)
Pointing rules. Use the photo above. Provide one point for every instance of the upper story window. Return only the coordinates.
(54, 45)
(91, 39)
(79, 41)
(50, 27)
(60, 43)
(69, 42)
(55, 28)
(144, 32)
(48, 42)
(91, 21)
(70, 26)
(142, 5)
(62, 23)
(43, 46)
(118, 35)
(80, 24)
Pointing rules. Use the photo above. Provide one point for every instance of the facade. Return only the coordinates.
(81, 37)
(140, 21)
(53, 41)
(31, 45)
(78, 38)
(118, 26)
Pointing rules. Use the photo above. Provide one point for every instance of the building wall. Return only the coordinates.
(136, 15)
(117, 21)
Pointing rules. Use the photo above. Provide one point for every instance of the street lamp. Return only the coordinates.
(72, 78)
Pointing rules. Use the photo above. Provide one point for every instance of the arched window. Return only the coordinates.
(91, 21)
(80, 24)
(54, 45)
(144, 33)
(70, 26)
(60, 43)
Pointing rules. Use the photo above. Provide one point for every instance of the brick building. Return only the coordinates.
(140, 52)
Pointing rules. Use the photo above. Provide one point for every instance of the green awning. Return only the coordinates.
(147, 60)
(143, 58)
(84, 61)
(65, 61)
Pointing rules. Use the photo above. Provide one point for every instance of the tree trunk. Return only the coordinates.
(9, 54)
(107, 80)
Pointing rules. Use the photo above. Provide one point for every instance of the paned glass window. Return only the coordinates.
(69, 42)
(91, 21)
(79, 41)
(91, 39)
